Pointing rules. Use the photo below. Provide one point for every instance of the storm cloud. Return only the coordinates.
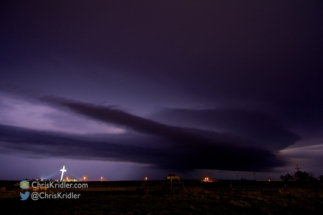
(45, 144)
(263, 128)
(230, 85)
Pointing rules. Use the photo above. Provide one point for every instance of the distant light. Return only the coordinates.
(146, 178)
(101, 178)
(206, 179)
(84, 178)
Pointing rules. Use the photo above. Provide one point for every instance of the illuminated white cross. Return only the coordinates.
(63, 170)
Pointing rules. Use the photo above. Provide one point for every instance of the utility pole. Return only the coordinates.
(297, 168)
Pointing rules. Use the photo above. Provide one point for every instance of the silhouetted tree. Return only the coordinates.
(304, 176)
(321, 177)
(299, 176)
(287, 177)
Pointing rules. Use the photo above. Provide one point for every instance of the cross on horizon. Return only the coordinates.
(63, 170)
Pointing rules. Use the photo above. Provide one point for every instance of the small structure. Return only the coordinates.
(173, 183)
(207, 179)
(71, 180)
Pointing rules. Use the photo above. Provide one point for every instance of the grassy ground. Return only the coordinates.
(192, 200)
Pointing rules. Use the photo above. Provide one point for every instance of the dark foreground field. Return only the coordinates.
(196, 198)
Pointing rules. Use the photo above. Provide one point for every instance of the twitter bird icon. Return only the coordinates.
(24, 196)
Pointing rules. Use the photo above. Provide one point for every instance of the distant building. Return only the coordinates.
(71, 180)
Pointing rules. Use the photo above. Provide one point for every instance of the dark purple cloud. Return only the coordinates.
(265, 129)
(185, 137)
(214, 51)
(48, 144)
(193, 75)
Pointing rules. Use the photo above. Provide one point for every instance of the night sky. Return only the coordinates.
(129, 89)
